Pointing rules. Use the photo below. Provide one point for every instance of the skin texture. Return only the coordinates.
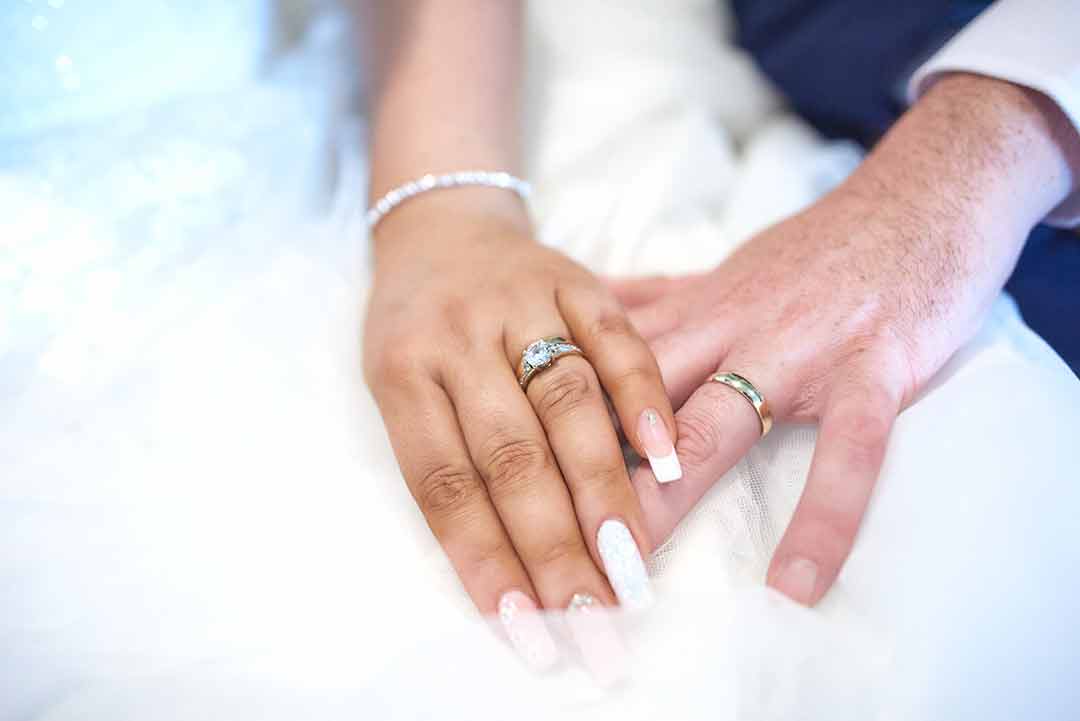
(513, 485)
(841, 314)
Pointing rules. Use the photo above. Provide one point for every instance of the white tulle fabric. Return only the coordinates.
(200, 516)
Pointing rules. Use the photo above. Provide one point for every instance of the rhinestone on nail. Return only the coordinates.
(581, 603)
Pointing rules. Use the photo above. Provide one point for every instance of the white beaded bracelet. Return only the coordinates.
(397, 196)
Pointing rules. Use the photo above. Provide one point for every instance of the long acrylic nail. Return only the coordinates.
(623, 565)
(659, 449)
(797, 580)
(526, 630)
(602, 649)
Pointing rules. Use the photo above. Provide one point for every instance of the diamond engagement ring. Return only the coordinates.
(541, 354)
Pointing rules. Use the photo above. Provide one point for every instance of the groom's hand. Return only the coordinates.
(841, 314)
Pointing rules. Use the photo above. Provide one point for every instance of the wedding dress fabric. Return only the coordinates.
(200, 516)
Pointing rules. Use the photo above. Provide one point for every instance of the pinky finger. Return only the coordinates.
(850, 449)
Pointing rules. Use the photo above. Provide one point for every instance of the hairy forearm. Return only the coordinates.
(942, 206)
(446, 87)
(980, 151)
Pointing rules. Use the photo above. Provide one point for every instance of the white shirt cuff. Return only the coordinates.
(1028, 42)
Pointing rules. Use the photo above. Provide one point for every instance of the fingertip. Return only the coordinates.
(655, 442)
(525, 628)
(798, 579)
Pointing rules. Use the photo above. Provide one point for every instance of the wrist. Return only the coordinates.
(448, 222)
(994, 155)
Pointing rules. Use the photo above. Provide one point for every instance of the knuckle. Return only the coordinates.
(456, 312)
(397, 360)
(606, 478)
(863, 350)
(514, 464)
(456, 323)
(446, 490)
(396, 363)
(895, 364)
(864, 434)
(884, 346)
(390, 369)
(636, 375)
(608, 324)
(560, 551)
(699, 436)
(676, 314)
(807, 397)
(489, 558)
(563, 391)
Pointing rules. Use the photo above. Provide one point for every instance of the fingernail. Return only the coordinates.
(659, 449)
(623, 565)
(797, 580)
(602, 649)
(526, 630)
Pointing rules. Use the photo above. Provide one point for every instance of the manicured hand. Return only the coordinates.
(528, 493)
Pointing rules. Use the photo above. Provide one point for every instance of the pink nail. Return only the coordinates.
(526, 630)
(602, 649)
(797, 580)
(659, 449)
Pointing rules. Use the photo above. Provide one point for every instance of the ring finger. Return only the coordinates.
(568, 400)
(717, 426)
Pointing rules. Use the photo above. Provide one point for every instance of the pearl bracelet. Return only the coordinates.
(397, 196)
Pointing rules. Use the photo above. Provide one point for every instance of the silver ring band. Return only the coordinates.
(540, 354)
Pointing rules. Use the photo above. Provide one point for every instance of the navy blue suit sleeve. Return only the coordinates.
(844, 64)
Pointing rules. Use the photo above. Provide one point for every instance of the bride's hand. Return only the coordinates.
(516, 486)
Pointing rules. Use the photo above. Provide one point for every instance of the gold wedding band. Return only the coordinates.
(747, 390)
(540, 354)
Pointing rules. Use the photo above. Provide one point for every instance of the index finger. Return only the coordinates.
(629, 374)
(847, 460)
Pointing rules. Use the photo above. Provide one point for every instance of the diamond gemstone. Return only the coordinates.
(538, 354)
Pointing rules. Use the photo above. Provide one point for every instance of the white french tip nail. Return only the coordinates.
(666, 468)
(623, 565)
